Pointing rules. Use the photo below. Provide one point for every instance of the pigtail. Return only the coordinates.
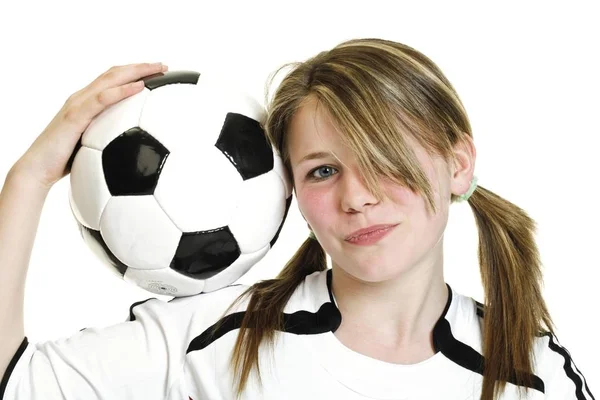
(264, 313)
(511, 274)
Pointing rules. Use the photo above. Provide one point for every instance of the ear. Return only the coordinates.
(463, 166)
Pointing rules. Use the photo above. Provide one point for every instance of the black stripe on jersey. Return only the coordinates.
(11, 366)
(569, 370)
(480, 309)
(299, 323)
(467, 357)
(131, 316)
(463, 354)
(326, 319)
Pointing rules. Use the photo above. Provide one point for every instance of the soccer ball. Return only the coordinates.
(176, 189)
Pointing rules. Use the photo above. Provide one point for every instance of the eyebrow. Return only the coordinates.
(314, 156)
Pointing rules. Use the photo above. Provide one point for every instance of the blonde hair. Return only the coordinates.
(377, 86)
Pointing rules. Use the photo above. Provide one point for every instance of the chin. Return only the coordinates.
(374, 274)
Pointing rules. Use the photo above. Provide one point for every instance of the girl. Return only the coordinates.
(378, 146)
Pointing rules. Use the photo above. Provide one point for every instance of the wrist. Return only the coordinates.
(23, 177)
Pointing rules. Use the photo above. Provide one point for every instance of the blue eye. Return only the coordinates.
(326, 172)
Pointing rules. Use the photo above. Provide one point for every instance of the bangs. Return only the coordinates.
(378, 136)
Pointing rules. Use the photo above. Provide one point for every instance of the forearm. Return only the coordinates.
(21, 203)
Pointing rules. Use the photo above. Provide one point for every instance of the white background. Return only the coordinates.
(527, 72)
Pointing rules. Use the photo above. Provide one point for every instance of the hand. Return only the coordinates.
(47, 159)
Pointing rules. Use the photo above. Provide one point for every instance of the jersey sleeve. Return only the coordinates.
(139, 359)
(562, 379)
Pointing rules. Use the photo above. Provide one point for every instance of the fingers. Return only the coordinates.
(112, 86)
(121, 75)
(99, 101)
(116, 76)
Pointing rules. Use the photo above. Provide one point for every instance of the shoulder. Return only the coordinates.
(218, 300)
(225, 309)
(198, 311)
(554, 364)
(154, 342)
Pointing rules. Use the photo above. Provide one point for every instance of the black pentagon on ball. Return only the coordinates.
(203, 254)
(169, 78)
(132, 163)
(243, 141)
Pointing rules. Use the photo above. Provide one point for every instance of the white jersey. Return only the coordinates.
(163, 352)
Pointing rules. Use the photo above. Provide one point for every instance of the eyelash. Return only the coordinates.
(310, 175)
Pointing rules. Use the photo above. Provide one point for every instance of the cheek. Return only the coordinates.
(411, 203)
(400, 194)
(316, 204)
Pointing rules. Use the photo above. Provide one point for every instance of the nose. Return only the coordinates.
(354, 194)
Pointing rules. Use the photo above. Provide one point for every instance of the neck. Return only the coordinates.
(393, 315)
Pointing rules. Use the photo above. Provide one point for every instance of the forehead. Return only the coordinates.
(311, 129)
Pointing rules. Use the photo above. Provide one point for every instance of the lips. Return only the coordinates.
(372, 228)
